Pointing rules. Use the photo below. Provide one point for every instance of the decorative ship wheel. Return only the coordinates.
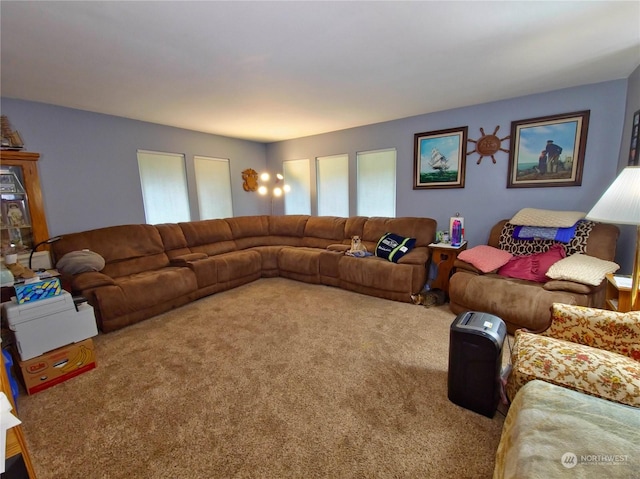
(488, 145)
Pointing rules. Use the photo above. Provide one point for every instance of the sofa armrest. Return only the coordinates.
(460, 265)
(598, 328)
(183, 260)
(418, 256)
(339, 247)
(89, 280)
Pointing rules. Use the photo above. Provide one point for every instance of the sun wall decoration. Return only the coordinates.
(488, 145)
(250, 179)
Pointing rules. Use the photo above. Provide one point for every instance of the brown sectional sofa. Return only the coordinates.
(150, 269)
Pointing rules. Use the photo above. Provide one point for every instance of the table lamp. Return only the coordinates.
(48, 241)
(620, 204)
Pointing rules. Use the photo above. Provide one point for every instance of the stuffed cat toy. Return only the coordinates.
(429, 297)
(357, 248)
(20, 271)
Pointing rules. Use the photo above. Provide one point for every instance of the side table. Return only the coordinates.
(617, 296)
(444, 256)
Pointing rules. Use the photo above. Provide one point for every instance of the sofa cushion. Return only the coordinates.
(288, 225)
(321, 231)
(175, 243)
(532, 267)
(210, 237)
(571, 286)
(519, 303)
(392, 247)
(422, 229)
(485, 258)
(237, 265)
(582, 268)
(126, 249)
(546, 218)
(377, 273)
(248, 226)
(139, 291)
(300, 261)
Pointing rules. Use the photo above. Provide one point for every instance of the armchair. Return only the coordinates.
(524, 303)
(593, 351)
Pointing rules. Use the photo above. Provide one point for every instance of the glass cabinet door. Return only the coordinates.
(16, 232)
(23, 222)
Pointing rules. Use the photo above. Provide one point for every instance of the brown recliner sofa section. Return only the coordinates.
(150, 269)
(522, 303)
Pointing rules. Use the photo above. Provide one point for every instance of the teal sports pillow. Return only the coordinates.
(392, 247)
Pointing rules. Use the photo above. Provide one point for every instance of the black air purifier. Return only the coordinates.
(475, 357)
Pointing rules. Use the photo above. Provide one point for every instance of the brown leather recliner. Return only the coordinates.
(523, 303)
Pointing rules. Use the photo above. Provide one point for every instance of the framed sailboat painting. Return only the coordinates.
(440, 158)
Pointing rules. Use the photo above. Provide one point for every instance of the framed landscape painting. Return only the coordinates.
(548, 151)
(439, 158)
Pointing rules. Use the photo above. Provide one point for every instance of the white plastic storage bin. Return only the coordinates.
(48, 324)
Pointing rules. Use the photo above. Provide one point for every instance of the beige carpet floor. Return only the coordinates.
(274, 379)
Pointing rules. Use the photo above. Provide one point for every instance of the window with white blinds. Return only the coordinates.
(296, 174)
(376, 183)
(165, 194)
(213, 182)
(332, 173)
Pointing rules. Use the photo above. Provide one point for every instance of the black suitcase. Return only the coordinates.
(475, 357)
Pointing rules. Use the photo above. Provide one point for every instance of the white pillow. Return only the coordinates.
(77, 262)
(582, 268)
(546, 218)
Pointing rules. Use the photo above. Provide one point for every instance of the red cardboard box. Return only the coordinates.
(57, 366)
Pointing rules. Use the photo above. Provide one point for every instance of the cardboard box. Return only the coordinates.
(29, 292)
(57, 366)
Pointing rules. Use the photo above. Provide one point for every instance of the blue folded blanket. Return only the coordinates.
(563, 235)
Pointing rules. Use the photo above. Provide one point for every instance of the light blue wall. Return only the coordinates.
(628, 233)
(89, 169)
(485, 199)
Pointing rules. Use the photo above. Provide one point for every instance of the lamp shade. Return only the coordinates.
(620, 204)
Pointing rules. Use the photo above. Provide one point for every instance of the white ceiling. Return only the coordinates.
(269, 71)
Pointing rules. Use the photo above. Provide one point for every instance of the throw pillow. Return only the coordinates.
(77, 262)
(582, 268)
(393, 247)
(547, 218)
(486, 258)
(532, 267)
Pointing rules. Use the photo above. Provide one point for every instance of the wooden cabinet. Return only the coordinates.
(23, 218)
